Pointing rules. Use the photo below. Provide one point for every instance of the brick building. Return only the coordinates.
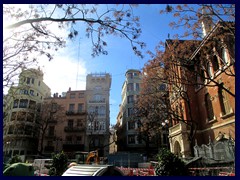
(211, 94)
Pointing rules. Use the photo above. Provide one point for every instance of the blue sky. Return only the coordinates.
(120, 57)
(71, 64)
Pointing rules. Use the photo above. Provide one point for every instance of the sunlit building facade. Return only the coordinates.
(20, 126)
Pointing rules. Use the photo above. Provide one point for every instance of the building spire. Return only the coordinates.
(206, 21)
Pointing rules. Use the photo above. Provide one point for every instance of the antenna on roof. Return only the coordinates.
(78, 61)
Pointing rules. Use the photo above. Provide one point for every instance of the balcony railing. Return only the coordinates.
(72, 142)
(180, 127)
(73, 129)
(69, 113)
(97, 101)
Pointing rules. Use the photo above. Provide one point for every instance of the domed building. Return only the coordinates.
(21, 104)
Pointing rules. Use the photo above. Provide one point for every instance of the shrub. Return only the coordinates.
(59, 165)
(169, 164)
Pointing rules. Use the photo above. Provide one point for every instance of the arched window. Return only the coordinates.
(209, 70)
(209, 108)
(224, 101)
(215, 63)
(224, 56)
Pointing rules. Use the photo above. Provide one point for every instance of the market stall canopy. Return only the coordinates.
(93, 170)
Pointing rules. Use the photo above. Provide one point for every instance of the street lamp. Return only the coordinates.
(165, 123)
(165, 126)
(8, 149)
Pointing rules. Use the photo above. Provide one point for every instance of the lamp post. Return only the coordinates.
(165, 126)
(8, 147)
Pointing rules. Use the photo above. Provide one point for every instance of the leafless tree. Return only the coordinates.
(32, 34)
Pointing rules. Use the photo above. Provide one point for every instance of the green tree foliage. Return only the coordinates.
(169, 164)
(59, 165)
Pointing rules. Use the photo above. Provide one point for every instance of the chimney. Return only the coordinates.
(56, 94)
(69, 89)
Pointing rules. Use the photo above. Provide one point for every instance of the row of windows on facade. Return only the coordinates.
(24, 103)
(29, 80)
(24, 143)
(28, 92)
(133, 87)
(214, 67)
(17, 143)
(21, 130)
(223, 99)
(97, 125)
(72, 107)
(132, 98)
(97, 98)
(16, 152)
(98, 79)
(22, 116)
(132, 74)
(73, 95)
(78, 122)
(130, 112)
(68, 140)
(136, 139)
(224, 104)
(133, 125)
(99, 110)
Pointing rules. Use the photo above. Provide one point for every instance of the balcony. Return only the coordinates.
(73, 129)
(95, 132)
(97, 101)
(178, 128)
(72, 113)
